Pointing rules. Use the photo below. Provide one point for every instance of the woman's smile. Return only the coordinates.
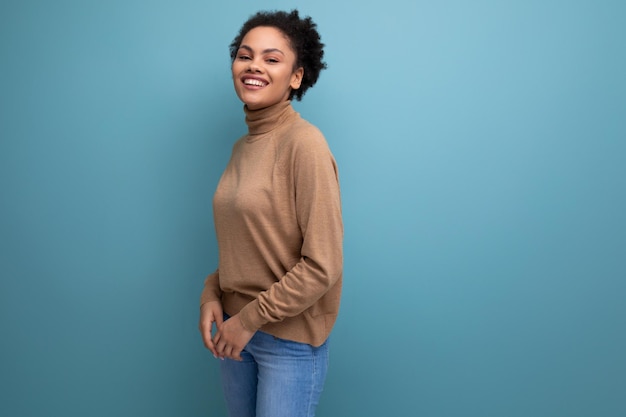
(253, 83)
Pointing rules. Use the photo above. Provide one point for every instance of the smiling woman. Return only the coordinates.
(264, 70)
(275, 296)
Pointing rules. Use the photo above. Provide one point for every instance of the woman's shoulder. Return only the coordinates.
(302, 134)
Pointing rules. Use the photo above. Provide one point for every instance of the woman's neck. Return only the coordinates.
(268, 118)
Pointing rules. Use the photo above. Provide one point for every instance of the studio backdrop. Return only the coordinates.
(481, 148)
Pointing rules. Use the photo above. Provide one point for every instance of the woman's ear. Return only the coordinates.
(296, 78)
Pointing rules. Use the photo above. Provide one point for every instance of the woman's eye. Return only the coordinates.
(272, 60)
(244, 57)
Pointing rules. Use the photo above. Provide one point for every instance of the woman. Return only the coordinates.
(275, 296)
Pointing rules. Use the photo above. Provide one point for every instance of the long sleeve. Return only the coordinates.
(318, 211)
(211, 290)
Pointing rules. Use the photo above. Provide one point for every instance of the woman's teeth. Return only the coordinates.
(251, 81)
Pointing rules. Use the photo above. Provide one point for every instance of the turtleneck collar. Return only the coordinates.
(266, 119)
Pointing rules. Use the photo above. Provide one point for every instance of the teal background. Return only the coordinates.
(482, 154)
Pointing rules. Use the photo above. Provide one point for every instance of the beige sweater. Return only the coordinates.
(279, 229)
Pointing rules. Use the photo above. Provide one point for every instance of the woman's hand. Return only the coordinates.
(210, 313)
(231, 338)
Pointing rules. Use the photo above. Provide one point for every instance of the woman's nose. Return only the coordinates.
(253, 67)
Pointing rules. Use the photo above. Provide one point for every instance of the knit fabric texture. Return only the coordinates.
(277, 213)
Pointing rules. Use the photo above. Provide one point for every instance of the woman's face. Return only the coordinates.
(263, 69)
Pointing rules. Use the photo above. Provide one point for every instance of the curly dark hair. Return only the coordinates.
(303, 36)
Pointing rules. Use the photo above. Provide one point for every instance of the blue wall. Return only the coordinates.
(482, 152)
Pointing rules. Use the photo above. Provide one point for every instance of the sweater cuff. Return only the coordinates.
(211, 290)
(250, 317)
(208, 296)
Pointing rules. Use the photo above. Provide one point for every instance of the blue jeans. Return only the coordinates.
(277, 378)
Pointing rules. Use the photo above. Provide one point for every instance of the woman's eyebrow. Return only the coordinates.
(266, 51)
